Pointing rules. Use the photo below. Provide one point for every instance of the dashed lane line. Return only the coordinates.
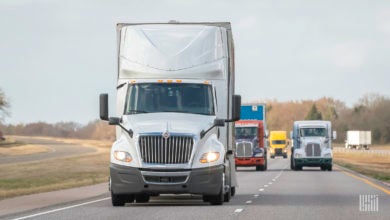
(238, 210)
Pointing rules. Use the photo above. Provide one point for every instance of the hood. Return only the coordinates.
(168, 122)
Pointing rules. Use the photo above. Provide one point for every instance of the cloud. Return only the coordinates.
(347, 55)
(247, 22)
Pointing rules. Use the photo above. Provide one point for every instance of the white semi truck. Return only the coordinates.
(175, 112)
(312, 144)
(358, 140)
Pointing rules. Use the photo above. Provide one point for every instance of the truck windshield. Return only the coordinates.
(170, 97)
(279, 142)
(312, 132)
(246, 132)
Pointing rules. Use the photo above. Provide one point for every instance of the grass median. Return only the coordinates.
(370, 164)
(54, 174)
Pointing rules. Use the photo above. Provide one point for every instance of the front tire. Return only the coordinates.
(217, 199)
(330, 168)
(233, 191)
(117, 199)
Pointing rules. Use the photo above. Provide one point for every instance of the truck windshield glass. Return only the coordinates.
(312, 132)
(279, 142)
(170, 97)
(246, 132)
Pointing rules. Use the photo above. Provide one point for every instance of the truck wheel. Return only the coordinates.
(272, 157)
(217, 199)
(323, 167)
(233, 191)
(206, 198)
(142, 198)
(285, 156)
(227, 196)
(118, 200)
(298, 168)
(258, 167)
(291, 164)
(330, 168)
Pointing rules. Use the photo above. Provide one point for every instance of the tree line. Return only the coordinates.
(371, 112)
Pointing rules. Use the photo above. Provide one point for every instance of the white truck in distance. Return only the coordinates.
(175, 116)
(312, 144)
(358, 140)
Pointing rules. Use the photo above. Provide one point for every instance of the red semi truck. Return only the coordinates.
(251, 149)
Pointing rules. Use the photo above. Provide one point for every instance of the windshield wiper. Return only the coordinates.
(132, 111)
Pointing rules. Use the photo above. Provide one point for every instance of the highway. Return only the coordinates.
(278, 193)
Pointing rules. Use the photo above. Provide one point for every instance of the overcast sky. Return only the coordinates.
(56, 57)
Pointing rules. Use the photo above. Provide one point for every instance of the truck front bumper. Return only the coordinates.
(249, 161)
(130, 180)
(278, 152)
(313, 162)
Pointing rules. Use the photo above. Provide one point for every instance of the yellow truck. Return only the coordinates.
(278, 143)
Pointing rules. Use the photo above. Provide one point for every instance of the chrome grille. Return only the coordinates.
(313, 150)
(244, 149)
(171, 150)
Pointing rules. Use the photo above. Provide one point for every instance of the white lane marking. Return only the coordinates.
(274, 180)
(270, 183)
(256, 195)
(248, 202)
(261, 189)
(238, 210)
(266, 185)
(61, 209)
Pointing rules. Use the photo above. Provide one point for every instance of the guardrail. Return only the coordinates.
(371, 151)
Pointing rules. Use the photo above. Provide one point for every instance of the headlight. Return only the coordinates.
(259, 154)
(328, 155)
(298, 155)
(209, 157)
(123, 156)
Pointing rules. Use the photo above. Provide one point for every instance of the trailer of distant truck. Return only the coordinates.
(358, 140)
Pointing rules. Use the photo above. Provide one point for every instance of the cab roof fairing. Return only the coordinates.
(166, 51)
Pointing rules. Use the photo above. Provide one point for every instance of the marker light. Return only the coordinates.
(209, 157)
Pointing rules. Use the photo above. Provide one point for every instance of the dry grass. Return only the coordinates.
(54, 174)
(24, 150)
(374, 165)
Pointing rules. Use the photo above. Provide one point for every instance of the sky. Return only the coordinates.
(56, 57)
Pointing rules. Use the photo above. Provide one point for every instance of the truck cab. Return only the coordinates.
(175, 112)
(312, 144)
(251, 147)
(278, 144)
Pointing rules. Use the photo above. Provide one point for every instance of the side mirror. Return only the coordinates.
(219, 122)
(334, 136)
(236, 108)
(266, 133)
(291, 135)
(114, 121)
(103, 106)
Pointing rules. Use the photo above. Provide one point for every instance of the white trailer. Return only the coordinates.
(358, 140)
(175, 115)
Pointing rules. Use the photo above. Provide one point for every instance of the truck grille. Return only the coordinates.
(244, 149)
(313, 150)
(171, 150)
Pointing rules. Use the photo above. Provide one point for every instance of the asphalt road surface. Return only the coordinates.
(278, 193)
(58, 149)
